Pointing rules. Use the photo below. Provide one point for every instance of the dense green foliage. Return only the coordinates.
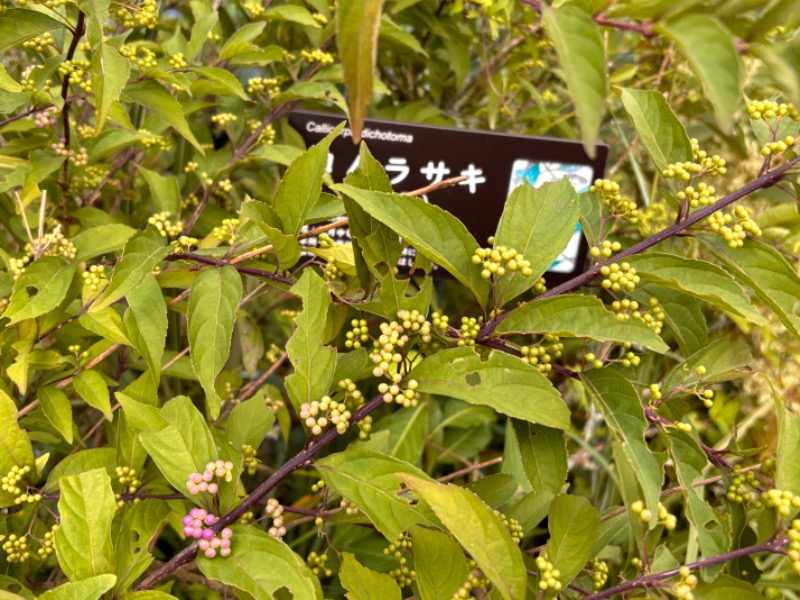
(194, 406)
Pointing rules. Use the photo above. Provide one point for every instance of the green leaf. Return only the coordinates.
(50, 278)
(581, 55)
(697, 278)
(285, 247)
(249, 422)
(15, 446)
(659, 129)
(712, 55)
(723, 359)
(244, 569)
(154, 96)
(101, 239)
(683, 315)
(537, 223)
(787, 469)
(165, 191)
(92, 388)
(495, 490)
(574, 526)
(140, 524)
(407, 430)
(358, 23)
(96, 12)
(579, 316)
(439, 562)
(80, 462)
(433, 231)
(725, 587)
(184, 446)
(146, 322)
(141, 254)
(314, 363)
(291, 13)
(371, 480)
(502, 382)
(202, 27)
(19, 25)
(479, 531)
(225, 78)
(783, 64)
(392, 32)
(239, 42)
(765, 271)
(300, 187)
(83, 539)
(362, 583)
(544, 456)
(58, 410)
(690, 461)
(109, 74)
(213, 304)
(86, 589)
(619, 403)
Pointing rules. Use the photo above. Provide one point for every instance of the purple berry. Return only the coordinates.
(197, 533)
(187, 520)
(225, 543)
(210, 519)
(208, 534)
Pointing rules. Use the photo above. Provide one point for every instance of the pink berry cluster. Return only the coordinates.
(202, 482)
(197, 524)
(275, 510)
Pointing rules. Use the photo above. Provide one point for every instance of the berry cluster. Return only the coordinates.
(152, 140)
(147, 60)
(414, 322)
(702, 196)
(618, 277)
(143, 15)
(316, 563)
(496, 261)
(48, 546)
(402, 575)
(323, 58)
(440, 321)
(349, 508)
(166, 228)
(10, 480)
(227, 231)
(599, 573)
(16, 548)
(737, 491)
(224, 118)
(275, 510)
(184, 242)
(542, 354)
(475, 579)
(203, 482)
(616, 204)
(317, 415)
(513, 526)
(783, 501)
(794, 545)
(46, 117)
(470, 328)
(408, 397)
(40, 42)
(198, 525)
(76, 72)
(769, 109)
(683, 589)
(626, 309)
(777, 148)
(703, 163)
(606, 249)
(126, 476)
(178, 60)
(331, 271)
(548, 575)
(94, 277)
(249, 460)
(385, 348)
(325, 241)
(742, 225)
(257, 85)
(358, 335)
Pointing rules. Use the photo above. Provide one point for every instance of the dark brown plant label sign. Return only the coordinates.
(415, 156)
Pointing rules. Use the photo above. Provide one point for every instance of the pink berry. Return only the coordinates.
(203, 545)
(215, 542)
(213, 488)
(220, 463)
(196, 477)
(227, 533)
(211, 553)
(210, 466)
(187, 520)
(203, 487)
(208, 475)
(188, 531)
(208, 534)
(193, 489)
(210, 519)
(194, 512)
(225, 543)
(197, 533)
(225, 552)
